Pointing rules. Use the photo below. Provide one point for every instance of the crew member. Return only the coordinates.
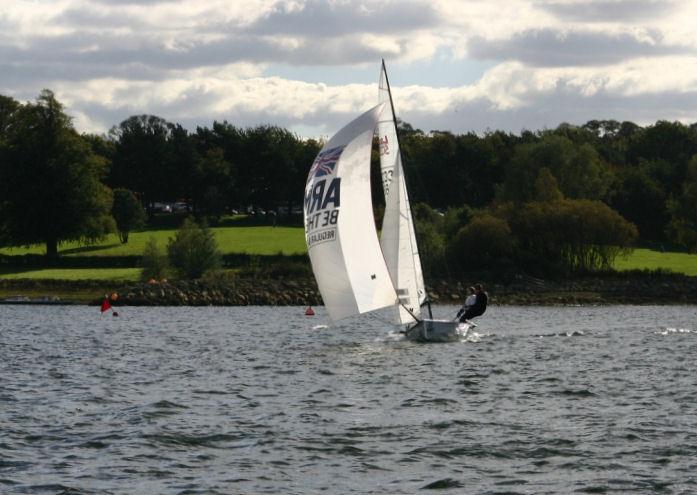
(469, 302)
(479, 306)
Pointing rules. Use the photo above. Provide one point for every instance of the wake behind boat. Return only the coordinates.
(355, 271)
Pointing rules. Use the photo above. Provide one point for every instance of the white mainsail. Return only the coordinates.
(398, 239)
(339, 227)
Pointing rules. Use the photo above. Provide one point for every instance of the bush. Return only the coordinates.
(485, 243)
(574, 235)
(431, 249)
(455, 219)
(154, 262)
(193, 251)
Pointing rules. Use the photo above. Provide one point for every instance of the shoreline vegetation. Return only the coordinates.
(640, 287)
(561, 202)
(266, 265)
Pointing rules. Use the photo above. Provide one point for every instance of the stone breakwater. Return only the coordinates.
(522, 290)
(246, 292)
(643, 289)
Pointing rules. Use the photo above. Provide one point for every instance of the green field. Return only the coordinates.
(641, 259)
(242, 239)
(259, 240)
(250, 240)
(115, 274)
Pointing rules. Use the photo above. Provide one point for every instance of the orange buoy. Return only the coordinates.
(309, 311)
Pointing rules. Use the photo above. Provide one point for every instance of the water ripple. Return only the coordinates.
(266, 400)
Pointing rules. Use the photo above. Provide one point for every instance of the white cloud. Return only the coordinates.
(604, 11)
(193, 61)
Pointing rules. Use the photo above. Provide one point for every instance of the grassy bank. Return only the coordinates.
(648, 259)
(259, 240)
(640, 259)
(236, 238)
(112, 274)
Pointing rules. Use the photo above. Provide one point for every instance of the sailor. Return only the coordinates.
(469, 301)
(479, 306)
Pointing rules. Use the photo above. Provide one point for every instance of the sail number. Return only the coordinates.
(322, 206)
(386, 181)
(322, 219)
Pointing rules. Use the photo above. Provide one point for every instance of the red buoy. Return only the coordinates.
(309, 311)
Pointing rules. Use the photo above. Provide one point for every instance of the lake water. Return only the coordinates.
(265, 400)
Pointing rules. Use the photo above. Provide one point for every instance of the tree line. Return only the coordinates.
(568, 199)
(491, 195)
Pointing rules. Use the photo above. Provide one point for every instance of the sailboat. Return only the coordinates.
(356, 271)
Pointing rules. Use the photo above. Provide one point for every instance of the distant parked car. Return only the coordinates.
(180, 207)
(161, 208)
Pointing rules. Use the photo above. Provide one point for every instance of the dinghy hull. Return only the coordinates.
(437, 331)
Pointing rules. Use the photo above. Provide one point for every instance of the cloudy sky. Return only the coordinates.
(311, 65)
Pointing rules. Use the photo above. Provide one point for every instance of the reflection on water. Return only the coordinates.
(266, 400)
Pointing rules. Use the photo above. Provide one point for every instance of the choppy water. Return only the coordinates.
(265, 400)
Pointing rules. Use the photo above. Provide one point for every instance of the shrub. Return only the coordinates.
(575, 235)
(485, 243)
(193, 251)
(154, 261)
(431, 248)
(455, 219)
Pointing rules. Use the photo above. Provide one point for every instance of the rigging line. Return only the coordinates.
(389, 322)
(380, 319)
(411, 313)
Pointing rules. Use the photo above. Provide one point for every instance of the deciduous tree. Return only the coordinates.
(141, 158)
(577, 169)
(682, 228)
(127, 212)
(50, 179)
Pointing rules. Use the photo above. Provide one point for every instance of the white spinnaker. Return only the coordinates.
(397, 239)
(339, 227)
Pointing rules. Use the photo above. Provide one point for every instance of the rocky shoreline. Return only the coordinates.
(521, 290)
(647, 288)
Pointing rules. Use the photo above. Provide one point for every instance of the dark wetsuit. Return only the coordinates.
(477, 308)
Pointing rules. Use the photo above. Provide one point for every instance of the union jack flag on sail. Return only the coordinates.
(325, 162)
